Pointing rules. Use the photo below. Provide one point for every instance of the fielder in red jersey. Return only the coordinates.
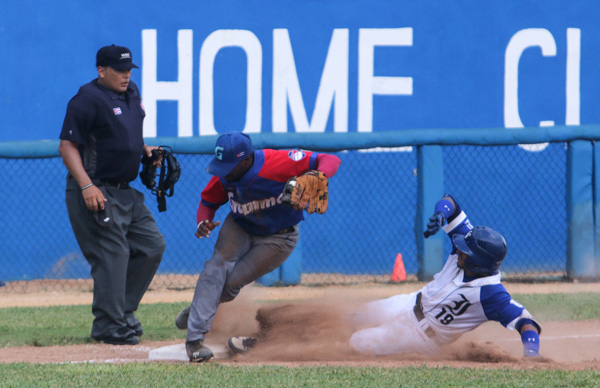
(258, 234)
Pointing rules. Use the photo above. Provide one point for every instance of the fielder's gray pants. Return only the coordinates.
(238, 259)
(124, 257)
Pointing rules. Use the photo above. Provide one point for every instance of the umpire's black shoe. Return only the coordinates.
(121, 336)
(137, 329)
(135, 325)
(197, 351)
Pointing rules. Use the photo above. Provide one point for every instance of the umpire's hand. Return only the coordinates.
(94, 199)
(205, 227)
(153, 153)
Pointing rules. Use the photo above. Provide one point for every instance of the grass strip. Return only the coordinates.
(216, 375)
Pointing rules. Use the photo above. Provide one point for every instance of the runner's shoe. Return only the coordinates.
(241, 344)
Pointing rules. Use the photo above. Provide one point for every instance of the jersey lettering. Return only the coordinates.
(254, 206)
(448, 312)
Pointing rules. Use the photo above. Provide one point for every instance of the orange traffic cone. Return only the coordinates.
(399, 273)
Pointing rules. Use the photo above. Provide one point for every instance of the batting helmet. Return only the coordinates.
(485, 247)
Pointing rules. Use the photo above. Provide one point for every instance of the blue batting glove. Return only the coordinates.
(435, 223)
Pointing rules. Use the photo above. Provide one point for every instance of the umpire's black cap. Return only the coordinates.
(117, 57)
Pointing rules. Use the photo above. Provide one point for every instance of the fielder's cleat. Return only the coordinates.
(241, 344)
(197, 351)
(182, 318)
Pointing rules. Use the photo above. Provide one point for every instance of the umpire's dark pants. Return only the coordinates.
(124, 256)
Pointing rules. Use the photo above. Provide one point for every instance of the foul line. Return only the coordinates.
(562, 337)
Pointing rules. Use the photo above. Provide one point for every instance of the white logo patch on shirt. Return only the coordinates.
(117, 111)
(296, 155)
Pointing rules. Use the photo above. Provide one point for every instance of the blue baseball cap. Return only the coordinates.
(230, 150)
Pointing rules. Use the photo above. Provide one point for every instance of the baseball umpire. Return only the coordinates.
(466, 293)
(102, 146)
(267, 190)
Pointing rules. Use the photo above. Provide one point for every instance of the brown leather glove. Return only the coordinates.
(310, 189)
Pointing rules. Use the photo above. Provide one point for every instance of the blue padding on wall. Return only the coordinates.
(342, 141)
(430, 188)
(596, 190)
(580, 210)
(330, 141)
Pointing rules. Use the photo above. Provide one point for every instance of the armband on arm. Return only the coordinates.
(205, 213)
(328, 164)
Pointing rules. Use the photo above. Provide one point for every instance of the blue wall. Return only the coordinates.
(309, 66)
(448, 63)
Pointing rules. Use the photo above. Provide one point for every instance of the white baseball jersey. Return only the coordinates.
(452, 304)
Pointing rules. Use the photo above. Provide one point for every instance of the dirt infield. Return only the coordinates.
(320, 337)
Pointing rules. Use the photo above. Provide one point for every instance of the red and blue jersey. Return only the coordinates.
(255, 200)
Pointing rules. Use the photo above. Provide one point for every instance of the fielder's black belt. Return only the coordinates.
(118, 185)
(418, 310)
(286, 230)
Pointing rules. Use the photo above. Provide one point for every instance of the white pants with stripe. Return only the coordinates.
(391, 327)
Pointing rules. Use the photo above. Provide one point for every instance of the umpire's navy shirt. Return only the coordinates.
(108, 127)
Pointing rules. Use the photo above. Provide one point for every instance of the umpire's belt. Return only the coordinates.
(118, 185)
(418, 310)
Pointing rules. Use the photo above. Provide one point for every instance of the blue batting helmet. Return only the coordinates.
(485, 247)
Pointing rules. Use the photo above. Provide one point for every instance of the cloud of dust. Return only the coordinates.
(318, 331)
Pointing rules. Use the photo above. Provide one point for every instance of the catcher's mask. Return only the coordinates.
(485, 248)
(170, 170)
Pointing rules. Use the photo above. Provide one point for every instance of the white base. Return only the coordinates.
(178, 353)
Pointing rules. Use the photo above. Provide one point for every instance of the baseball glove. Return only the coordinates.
(309, 189)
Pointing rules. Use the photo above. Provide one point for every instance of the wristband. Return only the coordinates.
(444, 206)
(87, 186)
(531, 342)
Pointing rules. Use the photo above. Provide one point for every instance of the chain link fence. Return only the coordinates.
(370, 220)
